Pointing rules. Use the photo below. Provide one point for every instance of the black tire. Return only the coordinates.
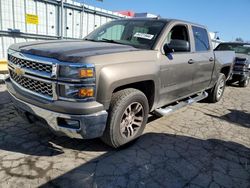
(244, 83)
(121, 101)
(216, 93)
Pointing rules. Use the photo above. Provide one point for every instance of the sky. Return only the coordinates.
(231, 18)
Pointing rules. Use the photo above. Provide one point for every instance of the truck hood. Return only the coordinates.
(242, 55)
(70, 51)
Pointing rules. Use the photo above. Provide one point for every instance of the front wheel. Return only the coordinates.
(216, 93)
(128, 114)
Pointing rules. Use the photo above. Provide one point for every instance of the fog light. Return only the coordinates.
(86, 92)
(77, 91)
(68, 123)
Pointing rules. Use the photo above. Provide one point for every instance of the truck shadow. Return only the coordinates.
(234, 85)
(240, 118)
(4, 98)
(18, 135)
(164, 160)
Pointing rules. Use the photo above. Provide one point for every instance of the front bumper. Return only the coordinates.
(240, 75)
(90, 125)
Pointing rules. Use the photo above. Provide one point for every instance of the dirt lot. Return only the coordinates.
(204, 145)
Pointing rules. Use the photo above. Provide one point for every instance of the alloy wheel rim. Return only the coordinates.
(220, 89)
(132, 120)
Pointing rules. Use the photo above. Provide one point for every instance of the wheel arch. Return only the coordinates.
(147, 87)
(226, 70)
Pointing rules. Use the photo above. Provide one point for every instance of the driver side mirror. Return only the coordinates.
(176, 46)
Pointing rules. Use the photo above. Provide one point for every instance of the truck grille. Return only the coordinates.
(35, 66)
(240, 67)
(39, 87)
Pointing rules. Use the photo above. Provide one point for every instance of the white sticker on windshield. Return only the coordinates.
(144, 36)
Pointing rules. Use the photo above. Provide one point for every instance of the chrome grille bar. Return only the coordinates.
(23, 63)
(40, 88)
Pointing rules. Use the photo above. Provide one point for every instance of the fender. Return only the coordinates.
(117, 75)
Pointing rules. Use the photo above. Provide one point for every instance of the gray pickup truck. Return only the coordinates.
(106, 84)
(241, 68)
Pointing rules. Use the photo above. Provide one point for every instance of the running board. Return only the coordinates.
(189, 101)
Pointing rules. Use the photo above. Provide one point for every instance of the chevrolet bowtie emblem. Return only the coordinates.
(19, 71)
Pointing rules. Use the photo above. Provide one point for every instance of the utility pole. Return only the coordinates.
(215, 36)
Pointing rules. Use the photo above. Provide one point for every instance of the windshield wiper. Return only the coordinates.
(92, 40)
(104, 40)
(110, 41)
(107, 40)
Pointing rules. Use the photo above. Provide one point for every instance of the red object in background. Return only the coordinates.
(127, 13)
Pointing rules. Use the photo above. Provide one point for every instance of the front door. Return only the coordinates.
(176, 69)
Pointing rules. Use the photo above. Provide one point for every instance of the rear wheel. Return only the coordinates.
(127, 119)
(215, 94)
(244, 83)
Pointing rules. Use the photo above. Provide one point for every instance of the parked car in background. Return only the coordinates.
(106, 84)
(241, 69)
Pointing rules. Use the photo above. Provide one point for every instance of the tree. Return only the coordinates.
(239, 39)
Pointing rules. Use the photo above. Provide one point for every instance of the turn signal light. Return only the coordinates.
(86, 73)
(86, 92)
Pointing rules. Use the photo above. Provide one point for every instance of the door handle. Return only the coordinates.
(211, 59)
(191, 61)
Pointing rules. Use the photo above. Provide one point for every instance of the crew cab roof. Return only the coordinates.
(167, 20)
(243, 43)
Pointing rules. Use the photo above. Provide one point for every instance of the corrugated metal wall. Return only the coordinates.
(78, 20)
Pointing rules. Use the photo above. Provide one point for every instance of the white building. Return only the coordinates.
(28, 20)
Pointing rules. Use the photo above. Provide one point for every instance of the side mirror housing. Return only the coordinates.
(167, 49)
(176, 46)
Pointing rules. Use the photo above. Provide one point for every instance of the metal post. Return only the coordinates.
(82, 20)
(36, 14)
(215, 34)
(62, 18)
(1, 25)
(1, 28)
(25, 12)
(13, 14)
(47, 23)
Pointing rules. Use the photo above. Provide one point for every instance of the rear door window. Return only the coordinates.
(201, 39)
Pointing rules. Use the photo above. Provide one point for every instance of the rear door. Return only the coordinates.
(203, 60)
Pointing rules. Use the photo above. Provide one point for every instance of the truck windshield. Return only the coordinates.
(237, 48)
(137, 33)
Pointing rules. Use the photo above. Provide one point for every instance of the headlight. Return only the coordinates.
(76, 91)
(80, 80)
(74, 72)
